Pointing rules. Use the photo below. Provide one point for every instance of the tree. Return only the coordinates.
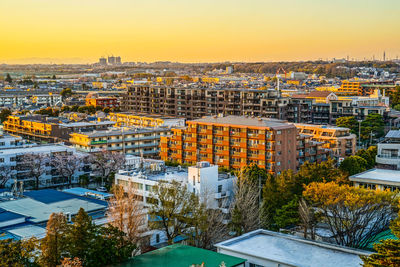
(348, 122)
(67, 165)
(68, 262)
(325, 171)
(387, 251)
(245, 207)
(394, 96)
(35, 164)
(369, 155)
(170, 208)
(206, 225)
(105, 163)
(126, 213)
(6, 173)
(18, 253)
(353, 215)
(4, 113)
(80, 236)
(308, 218)
(372, 127)
(353, 165)
(288, 215)
(65, 93)
(54, 244)
(8, 78)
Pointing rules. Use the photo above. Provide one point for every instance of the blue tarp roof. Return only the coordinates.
(49, 196)
(8, 215)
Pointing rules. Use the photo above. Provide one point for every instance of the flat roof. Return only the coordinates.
(82, 123)
(118, 132)
(292, 250)
(34, 149)
(182, 256)
(246, 121)
(27, 231)
(377, 175)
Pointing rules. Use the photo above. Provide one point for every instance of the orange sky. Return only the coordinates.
(80, 31)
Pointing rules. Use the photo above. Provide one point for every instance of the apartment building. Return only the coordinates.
(135, 119)
(233, 142)
(12, 157)
(388, 156)
(45, 129)
(310, 150)
(213, 188)
(135, 141)
(93, 99)
(350, 87)
(21, 98)
(338, 139)
(196, 102)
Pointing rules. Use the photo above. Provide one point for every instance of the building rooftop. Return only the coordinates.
(182, 256)
(34, 149)
(83, 124)
(119, 131)
(246, 121)
(292, 250)
(393, 134)
(378, 176)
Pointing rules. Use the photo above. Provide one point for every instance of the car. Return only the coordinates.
(101, 189)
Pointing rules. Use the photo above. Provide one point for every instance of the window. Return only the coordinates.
(219, 188)
(157, 238)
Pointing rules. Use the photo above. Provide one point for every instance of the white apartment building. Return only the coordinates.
(11, 157)
(203, 179)
(388, 156)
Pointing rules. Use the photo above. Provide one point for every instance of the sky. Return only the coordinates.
(81, 31)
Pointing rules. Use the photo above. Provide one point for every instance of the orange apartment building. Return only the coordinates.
(234, 142)
(93, 99)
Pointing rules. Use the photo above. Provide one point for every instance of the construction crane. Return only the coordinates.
(277, 77)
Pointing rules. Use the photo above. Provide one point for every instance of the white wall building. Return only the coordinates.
(262, 248)
(203, 179)
(10, 157)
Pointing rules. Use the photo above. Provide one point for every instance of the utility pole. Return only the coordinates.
(359, 134)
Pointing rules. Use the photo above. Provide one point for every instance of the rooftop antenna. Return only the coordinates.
(14, 190)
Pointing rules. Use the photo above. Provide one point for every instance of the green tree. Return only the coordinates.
(325, 171)
(373, 124)
(54, 244)
(8, 78)
(18, 253)
(80, 236)
(397, 107)
(394, 96)
(288, 214)
(353, 165)
(4, 113)
(65, 93)
(369, 155)
(170, 209)
(348, 122)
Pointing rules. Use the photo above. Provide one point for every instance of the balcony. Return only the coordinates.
(222, 194)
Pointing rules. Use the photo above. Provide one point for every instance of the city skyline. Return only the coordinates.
(46, 31)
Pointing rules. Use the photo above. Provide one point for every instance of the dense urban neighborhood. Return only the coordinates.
(234, 164)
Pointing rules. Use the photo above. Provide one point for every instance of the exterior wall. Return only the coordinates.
(232, 146)
(144, 144)
(388, 156)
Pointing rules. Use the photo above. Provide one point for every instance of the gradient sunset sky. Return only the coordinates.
(80, 31)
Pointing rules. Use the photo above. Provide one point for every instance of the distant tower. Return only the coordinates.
(103, 61)
(384, 56)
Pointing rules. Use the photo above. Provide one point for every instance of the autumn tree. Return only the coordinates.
(54, 244)
(171, 206)
(18, 253)
(69, 262)
(105, 163)
(352, 214)
(67, 165)
(126, 213)
(387, 251)
(35, 165)
(245, 207)
(353, 165)
(6, 173)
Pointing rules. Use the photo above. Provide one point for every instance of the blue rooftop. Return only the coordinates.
(87, 192)
(49, 196)
(8, 215)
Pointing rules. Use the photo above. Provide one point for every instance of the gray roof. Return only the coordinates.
(247, 121)
(378, 176)
(393, 134)
(118, 132)
(291, 250)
